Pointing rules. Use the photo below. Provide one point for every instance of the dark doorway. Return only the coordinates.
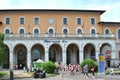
(52, 55)
(21, 58)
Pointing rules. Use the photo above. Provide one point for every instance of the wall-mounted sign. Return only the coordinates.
(101, 58)
(108, 52)
(55, 41)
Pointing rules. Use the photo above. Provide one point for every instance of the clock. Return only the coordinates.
(50, 20)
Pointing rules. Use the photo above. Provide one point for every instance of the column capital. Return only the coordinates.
(28, 48)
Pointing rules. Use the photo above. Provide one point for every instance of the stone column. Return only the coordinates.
(11, 63)
(114, 62)
(29, 63)
(98, 46)
(64, 56)
(46, 55)
(97, 54)
(81, 53)
(81, 56)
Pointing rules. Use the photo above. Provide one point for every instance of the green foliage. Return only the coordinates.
(38, 65)
(90, 63)
(49, 67)
(1, 38)
(2, 74)
(2, 50)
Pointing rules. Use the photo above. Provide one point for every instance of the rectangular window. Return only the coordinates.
(65, 21)
(92, 21)
(21, 20)
(36, 21)
(79, 21)
(7, 20)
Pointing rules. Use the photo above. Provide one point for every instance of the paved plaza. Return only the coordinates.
(21, 75)
(78, 76)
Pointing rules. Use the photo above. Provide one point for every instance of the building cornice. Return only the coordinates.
(51, 11)
(109, 23)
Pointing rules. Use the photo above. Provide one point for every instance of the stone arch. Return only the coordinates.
(106, 49)
(20, 55)
(65, 28)
(89, 51)
(36, 28)
(7, 28)
(72, 55)
(20, 29)
(79, 30)
(93, 28)
(55, 53)
(107, 29)
(37, 52)
(51, 28)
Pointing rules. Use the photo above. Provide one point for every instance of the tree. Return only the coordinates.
(2, 50)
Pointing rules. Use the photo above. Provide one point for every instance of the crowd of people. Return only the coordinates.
(74, 68)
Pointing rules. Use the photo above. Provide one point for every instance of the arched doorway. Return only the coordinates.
(20, 56)
(55, 53)
(6, 63)
(72, 54)
(89, 51)
(106, 50)
(37, 52)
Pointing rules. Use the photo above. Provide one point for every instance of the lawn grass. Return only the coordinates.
(2, 74)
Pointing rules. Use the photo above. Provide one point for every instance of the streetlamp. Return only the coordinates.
(11, 74)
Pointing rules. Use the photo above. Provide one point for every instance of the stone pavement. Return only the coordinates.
(21, 75)
(77, 76)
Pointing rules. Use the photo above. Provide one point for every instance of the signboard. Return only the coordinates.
(108, 52)
(101, 58)
(101, 64)
(55, 41)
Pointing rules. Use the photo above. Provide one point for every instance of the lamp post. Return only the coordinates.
(11, 74)
(11, 66)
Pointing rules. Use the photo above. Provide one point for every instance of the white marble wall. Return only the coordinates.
(80, 43)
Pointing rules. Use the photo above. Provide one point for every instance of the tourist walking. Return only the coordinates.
(85, 70)
(71, 68)
(77, 68)
(93, 70)
(65, 67)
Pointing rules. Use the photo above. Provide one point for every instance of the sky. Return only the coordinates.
(112, 7)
